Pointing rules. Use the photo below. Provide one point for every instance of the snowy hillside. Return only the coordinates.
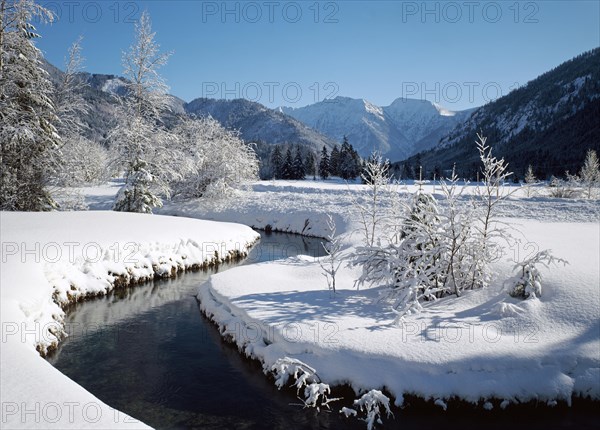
(549, 123)
(257, 123)
(397, 131)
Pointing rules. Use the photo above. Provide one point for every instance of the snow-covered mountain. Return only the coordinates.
(397, 131)
(549, 123)
(257, 123)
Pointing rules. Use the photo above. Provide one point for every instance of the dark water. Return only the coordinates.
(149, 352)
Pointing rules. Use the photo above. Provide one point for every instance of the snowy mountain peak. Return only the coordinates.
(114, 86)
(372, 109)
(404, 127)
(443, 111)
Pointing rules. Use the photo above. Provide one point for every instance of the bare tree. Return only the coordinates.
(333, 249)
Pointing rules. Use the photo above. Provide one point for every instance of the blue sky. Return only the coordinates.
(459, 54)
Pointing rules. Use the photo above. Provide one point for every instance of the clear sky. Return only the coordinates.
(459, 54)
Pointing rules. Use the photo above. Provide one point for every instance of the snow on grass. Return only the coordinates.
(52, 259)
(485, 345)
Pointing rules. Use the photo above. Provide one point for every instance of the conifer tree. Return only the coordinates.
(324, 164)
(27, 114)
(276, 162)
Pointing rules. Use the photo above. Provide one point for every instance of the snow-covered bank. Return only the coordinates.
(485, 345)
(51, 259)
(301, 206)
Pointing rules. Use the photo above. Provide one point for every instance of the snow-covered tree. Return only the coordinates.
(429, 250)
(77, 160)
(140, 138)
(27, 115)
(324, 164)
(377, 178)
(68, 96)
(213, 160)
(590, 173)
(494, 174)
(530, 180)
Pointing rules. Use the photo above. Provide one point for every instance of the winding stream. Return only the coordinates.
(149, 352)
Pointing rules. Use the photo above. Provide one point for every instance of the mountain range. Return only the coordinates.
(399, 130)
(548, 123)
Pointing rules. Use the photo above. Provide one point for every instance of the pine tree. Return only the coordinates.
(298, 168)
(276, 162)
(287, 169)
(334, 161)
(590, 173)
(324, 164)
(27, 115)
(140, 138)
(310, 165)
(349, 166)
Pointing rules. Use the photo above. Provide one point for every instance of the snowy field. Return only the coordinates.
(53, 258)
(485, 347)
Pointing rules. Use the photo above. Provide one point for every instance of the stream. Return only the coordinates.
(149, 351)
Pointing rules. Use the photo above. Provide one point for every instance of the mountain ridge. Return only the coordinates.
(396, 131)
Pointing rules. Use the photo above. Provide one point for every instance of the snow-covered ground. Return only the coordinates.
(53, 258)
(485, 345)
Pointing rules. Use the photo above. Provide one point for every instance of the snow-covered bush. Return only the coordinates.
(371, 404)
(217, 160)
(305, 377)
(528, 282)
(564, 189)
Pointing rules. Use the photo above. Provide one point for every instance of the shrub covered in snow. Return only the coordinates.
(528, 282)
(315, 392)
